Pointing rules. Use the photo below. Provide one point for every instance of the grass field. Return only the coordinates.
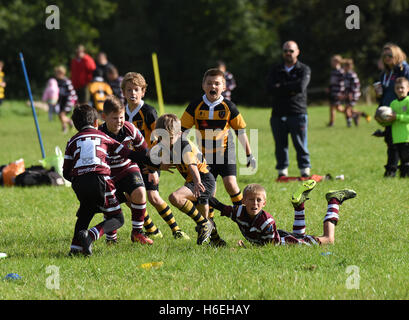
(368, 261)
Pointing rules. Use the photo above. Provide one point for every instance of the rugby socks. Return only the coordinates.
(108, 225)
(149, 225)
(237, 198)
(299, 220)
(166, 213)
(332, 211)
(192, 212)
(138, 211)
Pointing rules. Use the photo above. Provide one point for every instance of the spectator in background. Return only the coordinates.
(82, 68)
(287, 83)
(67, 98)
(114, 81)
(50, 96)
(395, 66)
(230, 81)
(103, 64)
(352, 93)
(2, 82)
(336, 88)
(99, 90)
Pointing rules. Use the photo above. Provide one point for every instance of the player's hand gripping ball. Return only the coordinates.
(383, 115)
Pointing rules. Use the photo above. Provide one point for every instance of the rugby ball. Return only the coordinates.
(382, 114)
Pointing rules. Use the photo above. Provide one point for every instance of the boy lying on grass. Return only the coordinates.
(259, 227)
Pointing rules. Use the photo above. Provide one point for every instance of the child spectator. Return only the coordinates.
(212, 115)
(175, 150)
(114, 81)
(50, 96)
(99, 90)
(144, 116)
(67, 98)
(352, 93)
(2, 82)
(259, 227)
(230, 81)
(336, 88)
(85, 166)
(400, 124)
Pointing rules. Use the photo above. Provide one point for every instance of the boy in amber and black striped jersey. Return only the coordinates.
(174, 150)
(213, 116)
(144, 116)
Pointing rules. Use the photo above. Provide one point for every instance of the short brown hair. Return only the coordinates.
(134, 78)
(84, 115)
(254, 188)
(169, 122)
(214, 72)
(113, 104)
(401, 80)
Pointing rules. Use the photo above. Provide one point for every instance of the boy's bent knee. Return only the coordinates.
(138, 195)
(154, 198)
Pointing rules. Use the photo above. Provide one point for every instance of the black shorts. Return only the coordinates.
(128, 184)
(226, 168)
(96, 193)
(149, 186)
(334, 100)
(210, 185)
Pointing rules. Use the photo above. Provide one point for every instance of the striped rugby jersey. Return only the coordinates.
(352, 85)
(182, 154)
(132, 138)
(87, 151)
(144, 118)
(259, 230)
(213, 121)
(336, 82)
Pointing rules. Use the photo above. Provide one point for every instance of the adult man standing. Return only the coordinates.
(287, 83)
(82, 68)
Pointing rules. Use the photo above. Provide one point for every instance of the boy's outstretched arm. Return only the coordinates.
(225, 210)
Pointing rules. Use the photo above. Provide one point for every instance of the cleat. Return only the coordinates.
(301, 195)
(340, 195)
(111, 242)
(217, 243)
(86, 242)
(204, 231)
(139, 236)
(74, 253)
(154, 235)
(179, 234)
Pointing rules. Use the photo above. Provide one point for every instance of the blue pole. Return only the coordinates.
(32, 105)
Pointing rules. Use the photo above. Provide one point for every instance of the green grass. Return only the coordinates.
(36, 226)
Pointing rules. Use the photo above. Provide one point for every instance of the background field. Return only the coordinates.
(36, 227)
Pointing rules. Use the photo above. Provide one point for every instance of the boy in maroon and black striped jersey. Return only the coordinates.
(336, 88)
(352, 93)
(125, 173)
(259, 227)
(86, 167)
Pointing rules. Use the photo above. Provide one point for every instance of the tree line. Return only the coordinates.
(190, 36)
